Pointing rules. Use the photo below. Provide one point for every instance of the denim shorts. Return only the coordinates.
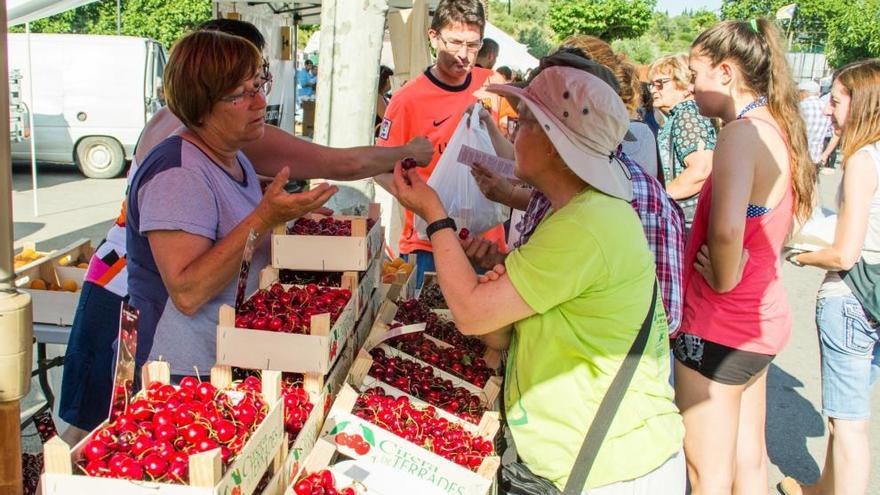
(848, 342)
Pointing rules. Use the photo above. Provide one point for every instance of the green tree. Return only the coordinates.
(811, 22)
(855, 35)
(606, 19)
(162, 20)
(526, 22)
(641, 50)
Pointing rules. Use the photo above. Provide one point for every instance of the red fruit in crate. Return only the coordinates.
(195, 433)
(154, 465)
(96, 468)
(178, 471)
(95, 450)
(311, 289)
(165, 432)
(224, 430)
(347, 491)
(189, 383)
(141, 444)
(140, 410)
(260, 323)
(327, 480)
(206, 444)
(275, 324)
(302, 487)
(163, 418)
(131, 470)
(464, 233)
(252, 383)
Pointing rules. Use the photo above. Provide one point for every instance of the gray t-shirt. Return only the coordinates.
(178, 187)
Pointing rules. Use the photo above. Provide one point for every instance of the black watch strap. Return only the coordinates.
(445, 223)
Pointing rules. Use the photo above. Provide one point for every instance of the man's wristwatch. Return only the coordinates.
(445, 223)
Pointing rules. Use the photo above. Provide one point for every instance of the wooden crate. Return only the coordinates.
(385, 316)
(55, 307)
(360, 378)
(330, 253)
(291, 456)
(406, 457)
(206, 475)
(298, 353)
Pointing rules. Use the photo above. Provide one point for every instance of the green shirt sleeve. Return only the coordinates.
(561, 261)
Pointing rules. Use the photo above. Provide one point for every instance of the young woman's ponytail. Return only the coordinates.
(757, 49)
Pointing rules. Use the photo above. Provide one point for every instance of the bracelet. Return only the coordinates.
(792, 258)
(445, 223)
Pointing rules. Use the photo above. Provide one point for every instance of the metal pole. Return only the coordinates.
(118, 17)
(33, 137)
(16, 326)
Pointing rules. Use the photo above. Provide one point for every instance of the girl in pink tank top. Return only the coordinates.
(736, 318)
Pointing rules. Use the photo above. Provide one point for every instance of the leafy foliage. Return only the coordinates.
(606, 19)
(162, 20)
(855, 35)
(810, 25)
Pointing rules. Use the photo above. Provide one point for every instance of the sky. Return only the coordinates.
(677, 6)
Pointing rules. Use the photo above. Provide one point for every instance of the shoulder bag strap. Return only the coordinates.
(608, 407)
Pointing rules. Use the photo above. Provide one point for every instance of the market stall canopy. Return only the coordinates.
(22, 11)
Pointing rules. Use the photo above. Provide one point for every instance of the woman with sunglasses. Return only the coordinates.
(196, 197)
(686, 139)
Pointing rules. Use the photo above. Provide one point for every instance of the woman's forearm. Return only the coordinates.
(503, 147)
(726, 255)
(831, 259)
(207, 274)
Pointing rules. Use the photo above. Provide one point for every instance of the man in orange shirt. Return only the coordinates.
(431, 104)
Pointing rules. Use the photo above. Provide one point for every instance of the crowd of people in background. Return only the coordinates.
(649, 218)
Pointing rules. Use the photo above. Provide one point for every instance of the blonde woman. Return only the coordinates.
(848, 331)
(686, 139)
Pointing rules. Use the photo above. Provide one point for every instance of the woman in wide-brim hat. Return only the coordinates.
(570, 303)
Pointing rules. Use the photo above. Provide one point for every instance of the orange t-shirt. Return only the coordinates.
(426, 106)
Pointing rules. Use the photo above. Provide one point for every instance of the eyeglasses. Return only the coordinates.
(659, 83)
(514, 124)
(455, 46)
(262, 84)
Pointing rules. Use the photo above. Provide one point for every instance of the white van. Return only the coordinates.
(92, 97)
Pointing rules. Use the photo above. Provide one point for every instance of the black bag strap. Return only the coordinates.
(608, 407)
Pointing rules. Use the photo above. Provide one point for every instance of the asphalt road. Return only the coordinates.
(72, 207)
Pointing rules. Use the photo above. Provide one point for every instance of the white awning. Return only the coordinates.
(22, 11)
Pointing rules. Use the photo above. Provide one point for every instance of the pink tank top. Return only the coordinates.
(754, 316)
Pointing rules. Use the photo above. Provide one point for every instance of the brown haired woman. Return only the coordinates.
(848, 330)
(736, 317)
(195, 197)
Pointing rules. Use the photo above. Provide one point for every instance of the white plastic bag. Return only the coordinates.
(455, 185)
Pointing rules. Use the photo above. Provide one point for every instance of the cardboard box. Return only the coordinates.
(55, 307)
(206, 476)
(298, 353)
(406, 457)
(330, 253)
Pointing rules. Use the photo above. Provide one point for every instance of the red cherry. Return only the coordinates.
(302, 487)
(224, 430)
(205, 391)
(189, 383)
(95, 450)
(154, 465)
(464, 233)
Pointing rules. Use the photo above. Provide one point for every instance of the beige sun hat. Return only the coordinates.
(585, 120)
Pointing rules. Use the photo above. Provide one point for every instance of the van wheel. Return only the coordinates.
(100, 157)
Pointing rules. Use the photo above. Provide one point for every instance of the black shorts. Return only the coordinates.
(717, 362)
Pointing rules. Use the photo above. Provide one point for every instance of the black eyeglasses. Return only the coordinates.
(660, 82)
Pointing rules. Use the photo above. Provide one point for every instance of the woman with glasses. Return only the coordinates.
(196, 197)
(686, 139)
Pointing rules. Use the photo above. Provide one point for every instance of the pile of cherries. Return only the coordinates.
(328, 226)
(320, 483)
(455, 360)
(297, 406)
(414, 311)
(158, 431)
(433, 297)
(296, 277)
(423, 427)
(420, 381)
(290, 311)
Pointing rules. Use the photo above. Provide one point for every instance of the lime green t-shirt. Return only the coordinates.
(588, 274)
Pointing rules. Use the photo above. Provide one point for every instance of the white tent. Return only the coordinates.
(511, 53)
(22, 11)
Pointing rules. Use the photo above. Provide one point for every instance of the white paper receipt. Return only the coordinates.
(501, 166)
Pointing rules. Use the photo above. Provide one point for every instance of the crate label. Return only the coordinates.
(382, 447)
